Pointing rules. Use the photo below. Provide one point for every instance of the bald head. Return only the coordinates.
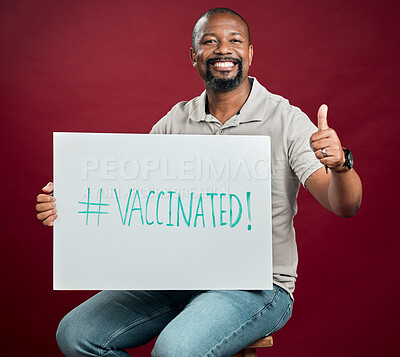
(203, 19)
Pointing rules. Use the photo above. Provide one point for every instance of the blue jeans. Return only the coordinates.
(189, 323)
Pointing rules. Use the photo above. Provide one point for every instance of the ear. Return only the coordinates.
(250, 54)
(193, 57)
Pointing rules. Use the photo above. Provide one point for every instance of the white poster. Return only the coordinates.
(154, 212)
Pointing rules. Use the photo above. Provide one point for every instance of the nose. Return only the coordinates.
(223, 48)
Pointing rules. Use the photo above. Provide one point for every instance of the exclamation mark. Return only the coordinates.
(248, 211)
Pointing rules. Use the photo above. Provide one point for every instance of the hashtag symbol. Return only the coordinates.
(89, 205)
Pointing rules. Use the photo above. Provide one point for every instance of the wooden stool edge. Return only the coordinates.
(263, 342)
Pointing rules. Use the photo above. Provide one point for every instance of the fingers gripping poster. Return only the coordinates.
(155, 212)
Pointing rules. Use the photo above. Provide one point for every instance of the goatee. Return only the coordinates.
(221, 84)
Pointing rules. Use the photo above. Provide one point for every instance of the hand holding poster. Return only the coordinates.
(162, 212)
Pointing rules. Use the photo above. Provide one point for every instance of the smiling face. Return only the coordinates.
(222, 53)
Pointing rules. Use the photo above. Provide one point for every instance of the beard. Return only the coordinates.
(222, 84)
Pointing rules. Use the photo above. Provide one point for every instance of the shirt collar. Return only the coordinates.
(252, 110)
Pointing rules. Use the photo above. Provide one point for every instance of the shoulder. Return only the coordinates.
(273, 106)
(177, 116)
(277, 103)
(292, 116)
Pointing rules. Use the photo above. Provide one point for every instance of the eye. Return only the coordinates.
(208, 41)
(236, 40)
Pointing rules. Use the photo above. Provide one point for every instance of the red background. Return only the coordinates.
(118, 66)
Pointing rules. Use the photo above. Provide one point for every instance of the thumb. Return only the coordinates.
(322, 117)
(48, 188)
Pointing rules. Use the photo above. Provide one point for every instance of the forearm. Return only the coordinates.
(344, 192)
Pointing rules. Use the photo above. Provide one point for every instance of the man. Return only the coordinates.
(220, 323)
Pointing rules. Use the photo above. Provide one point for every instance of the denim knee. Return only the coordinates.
(72, 337)
(174, 346)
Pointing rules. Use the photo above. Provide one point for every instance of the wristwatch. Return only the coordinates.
(348, 159)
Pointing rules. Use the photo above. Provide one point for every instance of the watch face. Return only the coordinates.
(350, 159)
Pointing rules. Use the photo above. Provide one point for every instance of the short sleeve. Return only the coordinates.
(302, 159)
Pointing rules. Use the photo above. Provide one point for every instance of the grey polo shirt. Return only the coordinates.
(292, 159)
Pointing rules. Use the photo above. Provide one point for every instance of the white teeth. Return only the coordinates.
(223, 64)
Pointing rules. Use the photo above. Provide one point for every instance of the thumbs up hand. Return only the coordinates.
(326, 144)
